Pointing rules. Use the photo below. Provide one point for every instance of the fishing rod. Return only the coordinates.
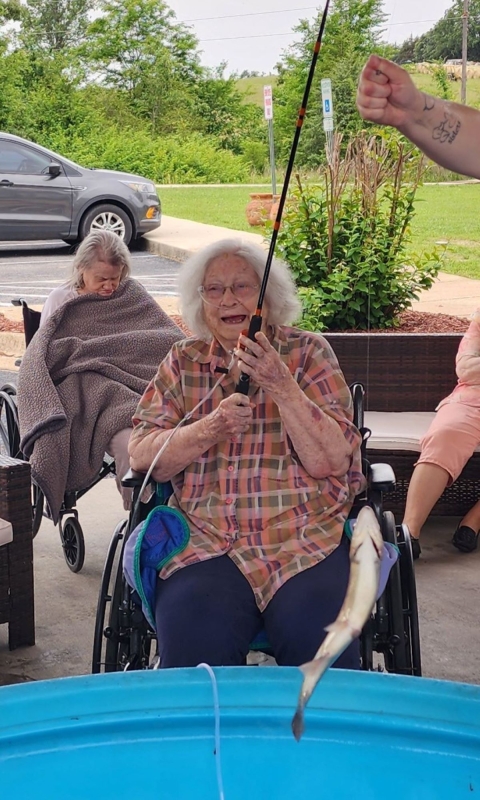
(256, 320)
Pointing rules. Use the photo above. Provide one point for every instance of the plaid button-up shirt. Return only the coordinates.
(250, 496)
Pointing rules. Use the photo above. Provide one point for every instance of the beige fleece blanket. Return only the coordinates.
(80, 381)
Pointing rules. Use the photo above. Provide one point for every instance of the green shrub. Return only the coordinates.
(347, 242)
(171, 159)
(255, 156)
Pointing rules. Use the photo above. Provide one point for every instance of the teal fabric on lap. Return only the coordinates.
(151, 545)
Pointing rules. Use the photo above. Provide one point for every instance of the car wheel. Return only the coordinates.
(107, 218)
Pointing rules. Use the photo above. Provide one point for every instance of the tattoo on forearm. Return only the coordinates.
(446, 132)
(429, 102)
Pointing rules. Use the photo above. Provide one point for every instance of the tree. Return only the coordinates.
(54, 25)
(353, 31)
(406, 51)
(9, 10)
(220, 111)
(136, 47)
(444, 40)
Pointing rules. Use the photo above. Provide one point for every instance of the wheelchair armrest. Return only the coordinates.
(382, 477)
(133, 479)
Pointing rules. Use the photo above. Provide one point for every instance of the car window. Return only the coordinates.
(15, 158)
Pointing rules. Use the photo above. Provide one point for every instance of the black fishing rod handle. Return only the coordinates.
(244, 380)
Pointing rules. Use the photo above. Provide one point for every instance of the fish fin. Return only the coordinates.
(338, 625)
(313, 670)
(341, 625)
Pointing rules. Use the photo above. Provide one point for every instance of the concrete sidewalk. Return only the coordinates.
(65, 604)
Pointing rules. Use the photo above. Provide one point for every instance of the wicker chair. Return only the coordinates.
(407, 373)
(16, 558)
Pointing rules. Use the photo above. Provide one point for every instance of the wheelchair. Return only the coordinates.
(390, 640)
(71, 533)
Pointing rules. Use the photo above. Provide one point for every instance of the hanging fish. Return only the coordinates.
(366, 550)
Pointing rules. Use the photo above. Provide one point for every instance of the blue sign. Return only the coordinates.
(327, 106)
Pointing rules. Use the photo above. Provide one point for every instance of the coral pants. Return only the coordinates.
(452, 438)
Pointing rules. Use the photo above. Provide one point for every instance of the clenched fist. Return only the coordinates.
(387, 95)
(232, 416)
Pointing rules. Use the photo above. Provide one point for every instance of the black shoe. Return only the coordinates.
(465, 539)
(416, 549)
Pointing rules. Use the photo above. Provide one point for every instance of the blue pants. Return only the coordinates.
(207, 612)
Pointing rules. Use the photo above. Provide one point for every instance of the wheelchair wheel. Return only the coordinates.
(9, 428)
(38, 503)
(393, 615)
(409, 596)
(124, 644)
(73, 543)
(105, 597)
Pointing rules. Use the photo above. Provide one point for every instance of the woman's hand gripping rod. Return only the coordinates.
(256, 321)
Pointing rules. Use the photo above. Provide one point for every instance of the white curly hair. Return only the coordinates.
(281, 297)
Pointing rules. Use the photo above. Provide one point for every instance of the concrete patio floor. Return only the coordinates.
(448, 588)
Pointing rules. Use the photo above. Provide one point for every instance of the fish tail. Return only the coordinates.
(312, 671)
(298, 724)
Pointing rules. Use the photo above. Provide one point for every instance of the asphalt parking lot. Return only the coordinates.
(32, 269)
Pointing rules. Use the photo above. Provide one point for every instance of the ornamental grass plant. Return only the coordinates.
(346, 239)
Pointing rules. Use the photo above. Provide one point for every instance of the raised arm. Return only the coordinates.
(448, 133)
(323, 437)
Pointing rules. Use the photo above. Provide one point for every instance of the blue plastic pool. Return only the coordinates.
(145, 735)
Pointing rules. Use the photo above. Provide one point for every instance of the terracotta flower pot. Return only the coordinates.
(258, 209)
(274, 208)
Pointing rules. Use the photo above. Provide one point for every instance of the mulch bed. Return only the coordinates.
(424, 322)
(409, 322)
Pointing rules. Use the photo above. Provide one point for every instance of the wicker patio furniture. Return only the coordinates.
(16, 558)
(405, 377)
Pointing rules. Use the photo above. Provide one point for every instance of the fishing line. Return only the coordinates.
(216, 709)
(167, 441)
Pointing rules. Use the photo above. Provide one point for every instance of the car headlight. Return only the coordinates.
(141, 188)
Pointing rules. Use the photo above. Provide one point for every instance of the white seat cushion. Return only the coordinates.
(6, 532)
(397, 431)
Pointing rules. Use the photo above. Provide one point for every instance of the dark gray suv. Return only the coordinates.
(46, 196)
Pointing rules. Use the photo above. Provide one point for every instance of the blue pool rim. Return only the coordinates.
(367, 735)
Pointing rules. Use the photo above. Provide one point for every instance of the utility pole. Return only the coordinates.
(464, 50)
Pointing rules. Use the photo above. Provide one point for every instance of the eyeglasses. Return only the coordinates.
(213, 293)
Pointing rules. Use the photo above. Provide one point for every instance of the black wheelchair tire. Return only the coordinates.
(38, 502)
(410, 603)
(397, 655)
(73, 543)
(10, 431)
(114, 648)
(104, 597)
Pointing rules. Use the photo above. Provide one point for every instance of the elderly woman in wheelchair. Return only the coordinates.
(85, 368)
(265, 482)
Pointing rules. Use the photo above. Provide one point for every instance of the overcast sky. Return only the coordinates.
(248, 35)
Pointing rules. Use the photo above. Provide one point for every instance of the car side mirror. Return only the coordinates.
(54, 170)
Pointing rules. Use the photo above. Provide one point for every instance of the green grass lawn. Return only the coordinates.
(252, 88)
(214, 206)
(444, 214)
(451, 214)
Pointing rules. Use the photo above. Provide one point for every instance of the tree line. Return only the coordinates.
(444, 40)
(119, 84)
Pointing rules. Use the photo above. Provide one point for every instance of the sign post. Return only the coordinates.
(268, 109)
(327, 104)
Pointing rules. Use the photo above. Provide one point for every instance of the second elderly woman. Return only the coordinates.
(265, 481)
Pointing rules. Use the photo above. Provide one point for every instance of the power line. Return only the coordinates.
(250, 14)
